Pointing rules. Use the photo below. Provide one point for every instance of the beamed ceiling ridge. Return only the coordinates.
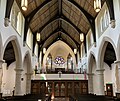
(61, 30)
(57, 38)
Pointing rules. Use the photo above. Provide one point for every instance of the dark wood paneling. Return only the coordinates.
(59, 88)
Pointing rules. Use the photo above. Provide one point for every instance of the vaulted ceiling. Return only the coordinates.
(58, 20)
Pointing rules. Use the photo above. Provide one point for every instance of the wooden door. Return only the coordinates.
(109, 89)
(59, 88)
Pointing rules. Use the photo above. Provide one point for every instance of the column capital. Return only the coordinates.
(90, 74)
(28, 73)
(117, 61)
(18, 69)
(100, 71)
(2, 61)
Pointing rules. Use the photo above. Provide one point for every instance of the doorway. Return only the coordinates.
(109, 89)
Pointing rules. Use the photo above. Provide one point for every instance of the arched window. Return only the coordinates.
(36, 50)
(82, 50)
(102, 24)
(29, 39)
(16, 18)
(106, 19)
(19, 23)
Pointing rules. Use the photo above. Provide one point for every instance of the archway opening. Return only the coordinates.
(92, 78)
(26, 75)
(109, 57)
(8, 70)
(59, 51)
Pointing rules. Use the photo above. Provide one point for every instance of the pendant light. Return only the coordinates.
(24, 4)
(75, 51)
(97, 5)
(81, 37)
(38, 37)
(44, 50)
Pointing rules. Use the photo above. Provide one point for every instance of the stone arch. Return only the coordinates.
(92, 73)
(54, 45)
(90, 59)
(27, 67)
(28, 57)
(18, 64)
(102, 48)
(1, 45)
(118, 49)
(17, 50)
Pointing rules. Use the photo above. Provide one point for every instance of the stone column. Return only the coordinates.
(100, 82)
(1, 73)
(118, 75)
(28, 83)
(90, 83)
(78, 56)
(18, 81)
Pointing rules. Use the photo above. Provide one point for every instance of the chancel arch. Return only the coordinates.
(58, 51)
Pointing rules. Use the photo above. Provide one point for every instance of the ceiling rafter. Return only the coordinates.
(62, 39)
(29, 18)
(89, 17)
(111, 9)
(62, 17)
(55, 31)
(34, 12)
(9, 4)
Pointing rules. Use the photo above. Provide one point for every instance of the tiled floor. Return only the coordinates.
(60, 99)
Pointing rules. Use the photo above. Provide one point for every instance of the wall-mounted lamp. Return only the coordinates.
(24, 4)
(44, 50)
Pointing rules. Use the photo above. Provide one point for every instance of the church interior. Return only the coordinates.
(59, 50)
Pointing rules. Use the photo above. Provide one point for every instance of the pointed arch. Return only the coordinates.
(1, 46)
(90, 61)
(102, 48)
(56, 44)
(17, 50)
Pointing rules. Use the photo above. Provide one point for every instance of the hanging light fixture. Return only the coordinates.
(38, 37)
(44, 50)
(24, 4)
(81, 37)
(97, 5)
(75, 51)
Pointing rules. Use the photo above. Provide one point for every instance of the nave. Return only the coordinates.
(59, 48)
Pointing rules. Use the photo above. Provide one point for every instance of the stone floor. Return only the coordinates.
(60, 99)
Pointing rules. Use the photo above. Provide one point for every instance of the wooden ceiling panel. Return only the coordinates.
(73, 11)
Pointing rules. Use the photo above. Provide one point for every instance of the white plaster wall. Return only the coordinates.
(95, 90)
(107, 75)
(8, 34)
(110, 35)
(8, 80)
